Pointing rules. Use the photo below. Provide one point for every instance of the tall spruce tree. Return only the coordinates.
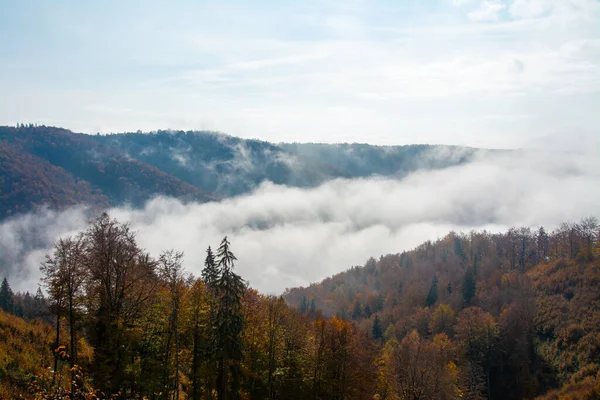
(376, 330)
(210, 273)
(210, 276)
(229, 324)
(313, 308)
(6, 297)
(432, 296)
(469, 285)
(304, 305)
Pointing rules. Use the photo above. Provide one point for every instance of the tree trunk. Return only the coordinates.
(73, 343)
(56, 344)
(176, 354)
(195, 392)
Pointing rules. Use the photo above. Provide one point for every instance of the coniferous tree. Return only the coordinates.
(6, 297)
(229, 324)
(376, 330)
(304, 305)
(356, 311)
(468, 286)
(210, 276)
(433, 293)
(210, 273)
(313, 308)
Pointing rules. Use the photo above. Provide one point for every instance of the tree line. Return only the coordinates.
(130, 326)
(470, 316)
(512, 315)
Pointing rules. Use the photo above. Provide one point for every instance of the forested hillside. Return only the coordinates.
(27, 181)
(228, 165)
(54, 167)
(470, 316)
(126, 325)
(45, 166)
(520, 310)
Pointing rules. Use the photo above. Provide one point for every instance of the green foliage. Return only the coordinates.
(376, 330)
(41, 165)
(6, 297)
(432, 296)
(469, 286)
(229, 323)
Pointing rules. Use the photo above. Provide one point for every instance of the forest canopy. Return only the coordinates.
(472, 316)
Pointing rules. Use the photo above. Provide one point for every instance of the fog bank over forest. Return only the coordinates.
(286, 237)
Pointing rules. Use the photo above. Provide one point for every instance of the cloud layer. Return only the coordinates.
(286, 237)
(492, 73)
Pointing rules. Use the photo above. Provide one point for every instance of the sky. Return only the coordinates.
(483, 73)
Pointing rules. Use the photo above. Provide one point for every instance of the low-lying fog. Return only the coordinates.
(286, 237)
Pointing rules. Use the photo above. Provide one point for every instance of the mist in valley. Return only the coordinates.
(286, 237)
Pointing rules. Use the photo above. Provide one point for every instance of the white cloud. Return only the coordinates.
(531, 8)
(461, 3)
(285, 237)
(488, 11)
(277, 72)
(557, 8)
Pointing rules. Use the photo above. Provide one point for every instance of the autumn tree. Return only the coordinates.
(477, 334)
(122, 280)
(171, 271)
(200, 336)
(442, 320)
(64, 277)
(416, 369)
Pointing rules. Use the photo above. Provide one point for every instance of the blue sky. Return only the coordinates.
(486, 73)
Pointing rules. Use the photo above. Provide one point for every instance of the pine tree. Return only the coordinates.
(432, 296)
(468, 286)
(376, 330)
(229, 324)
(304, 305)
(210, 273)
(210, 276)
(356, 311)
(6, 297)
(313, 308)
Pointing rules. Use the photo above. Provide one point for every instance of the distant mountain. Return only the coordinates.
(58, 168)
(27, 180)
(229, 166)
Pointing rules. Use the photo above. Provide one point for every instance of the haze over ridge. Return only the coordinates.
(293, 236)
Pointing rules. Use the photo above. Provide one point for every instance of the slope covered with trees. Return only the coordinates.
(57, 168)
(496, 316)
(27, 181)
(520, 311)
(127, 325)
(49, 166)
(228, 165)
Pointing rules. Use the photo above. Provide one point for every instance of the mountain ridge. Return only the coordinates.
(131, 168)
